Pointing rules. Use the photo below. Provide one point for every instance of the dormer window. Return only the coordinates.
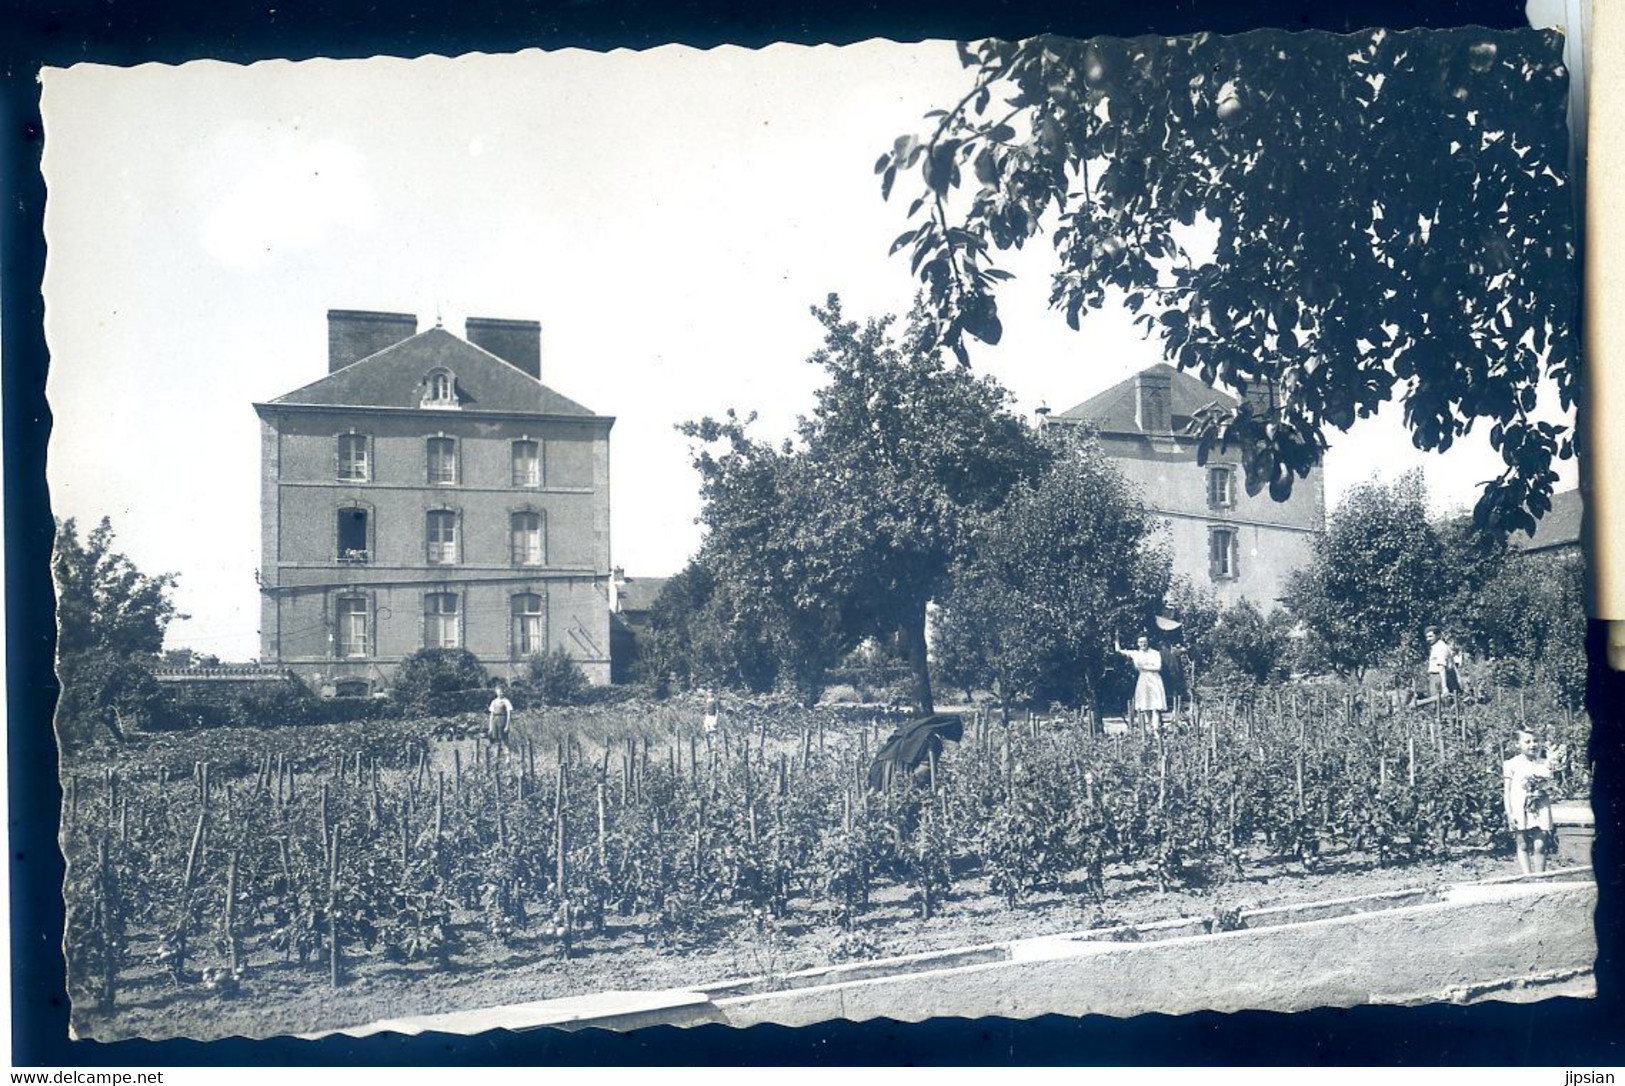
(440, 389)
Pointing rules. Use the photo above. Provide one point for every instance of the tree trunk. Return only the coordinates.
(913, 632)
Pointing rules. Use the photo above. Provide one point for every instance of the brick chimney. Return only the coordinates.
(353, 334)
(1152, 389)
(518, 343)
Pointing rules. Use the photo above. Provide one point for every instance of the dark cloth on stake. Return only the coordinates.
(912, 745)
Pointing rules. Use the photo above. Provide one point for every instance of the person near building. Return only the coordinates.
(498, 715)
(1150, 697)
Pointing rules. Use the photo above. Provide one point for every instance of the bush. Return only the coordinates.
(105, 691)
(270, 705)
(428, 675)
(554, 678)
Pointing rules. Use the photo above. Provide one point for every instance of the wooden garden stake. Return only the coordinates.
(106, 920)
(603, 830)
(327, 842)
(333, 912)
(231, 913)
(563, 870)
(406, 833)
(1410, 758)
(439, 803)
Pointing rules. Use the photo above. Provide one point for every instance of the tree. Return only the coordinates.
(556, 678)
(1247, 643)
(1061, 567)
(700, 634)
(111, 619)
(850, 530)
(103, 602)
(430, 672)
(1376, 578)
(1475, 562)
(1389, 213)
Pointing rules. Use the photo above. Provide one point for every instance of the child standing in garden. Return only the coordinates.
(1150, 698)
(497, 716)
(1524, 789)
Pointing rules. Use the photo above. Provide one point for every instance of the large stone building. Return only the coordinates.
(430, 491)
(1235, 545)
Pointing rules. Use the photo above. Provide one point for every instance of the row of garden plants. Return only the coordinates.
(428, 850)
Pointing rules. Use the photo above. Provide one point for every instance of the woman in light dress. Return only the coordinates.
(1150, 698)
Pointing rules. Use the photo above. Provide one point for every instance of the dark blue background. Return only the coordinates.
(1570, 1032)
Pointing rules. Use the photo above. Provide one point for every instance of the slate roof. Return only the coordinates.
(393, 377)
(639, 593)
(1112, 411)
(1560, 527)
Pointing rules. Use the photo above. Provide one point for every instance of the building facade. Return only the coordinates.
(431, 492)
(1235, 545)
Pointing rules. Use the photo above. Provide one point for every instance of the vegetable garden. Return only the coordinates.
(339, 851)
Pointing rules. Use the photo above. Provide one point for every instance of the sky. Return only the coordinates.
(669, 217)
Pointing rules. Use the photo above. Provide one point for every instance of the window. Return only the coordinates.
(1221, 487)
(1221, 553)
(442, 532)
(527, 624)
(440, 389)
(442, 624)
(442, 460)
(350, 626)
(527, 463)
(525, 535)
(352, 688)
(355, 460)
(352, 544)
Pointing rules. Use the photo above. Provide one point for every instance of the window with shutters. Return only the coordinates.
(526, 539)
(527, 463)
(442, 537)
(442, 621)
(528, 624)
(1221, 487)
(354, 458)
(1221, 553)
(442, 460)
(350, 622)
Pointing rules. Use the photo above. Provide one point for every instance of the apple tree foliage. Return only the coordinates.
(850, 528)
(1389, 214)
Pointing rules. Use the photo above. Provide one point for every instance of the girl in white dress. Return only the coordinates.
(1524, 790)
(1150, 698)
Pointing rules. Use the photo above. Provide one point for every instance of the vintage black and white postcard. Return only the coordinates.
(894, 530)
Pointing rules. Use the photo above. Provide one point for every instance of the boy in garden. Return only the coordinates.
(1525, 778)
(1443, 659)
(496, 725)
